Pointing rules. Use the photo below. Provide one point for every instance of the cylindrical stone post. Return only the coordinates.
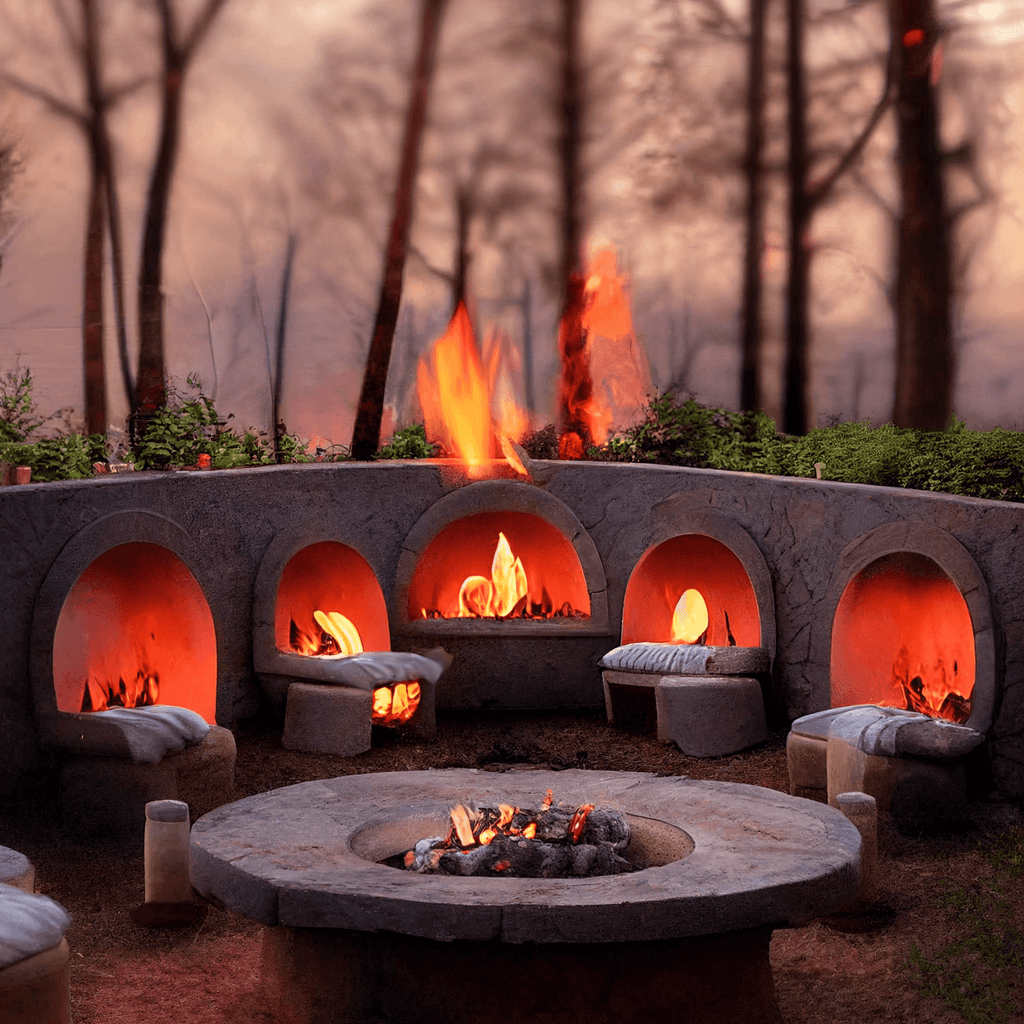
(166, 852)
(862, 811)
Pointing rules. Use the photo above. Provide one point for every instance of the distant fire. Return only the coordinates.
(338, 635)
(605, 380)
(470, 410)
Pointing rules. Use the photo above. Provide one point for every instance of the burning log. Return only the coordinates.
(552, 842)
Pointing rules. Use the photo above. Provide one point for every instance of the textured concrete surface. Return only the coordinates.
(328, 719)
(810, 535)
(290, 857)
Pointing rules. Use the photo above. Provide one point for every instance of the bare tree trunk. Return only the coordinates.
(750, 371)
(570, 139)
(366, 432)
(92, 284)
(575, 387)
(282, 324)
(795, 405)
(177, 56)
(92, 303)
(462, 214)
(803, 201)
(925, 362)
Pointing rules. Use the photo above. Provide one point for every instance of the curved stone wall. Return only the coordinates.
(224, 523)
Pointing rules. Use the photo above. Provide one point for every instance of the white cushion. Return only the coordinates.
(144, 735)
(29, 924)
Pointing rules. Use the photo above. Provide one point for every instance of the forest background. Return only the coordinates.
(274, 140)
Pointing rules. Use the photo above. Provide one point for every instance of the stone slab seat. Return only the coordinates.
(910, 763)
(114, 762)
(330, 704)
(35, 972)
(706, 699)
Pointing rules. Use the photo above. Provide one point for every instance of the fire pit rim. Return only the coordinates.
(912, 536)
(761, 857)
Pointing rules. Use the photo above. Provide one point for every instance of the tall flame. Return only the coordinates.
(605, 378)
(480, 597)
(470, 411)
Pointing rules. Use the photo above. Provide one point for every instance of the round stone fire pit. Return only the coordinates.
(353, 939)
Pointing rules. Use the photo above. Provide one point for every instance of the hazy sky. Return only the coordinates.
(262, 157)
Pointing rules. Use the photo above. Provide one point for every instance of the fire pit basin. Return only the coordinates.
(351, 936)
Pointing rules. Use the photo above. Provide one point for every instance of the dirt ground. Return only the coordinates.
(854, 969)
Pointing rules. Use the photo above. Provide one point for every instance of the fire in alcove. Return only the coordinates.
(499, 565)
(902, 637)
(136, 630)
(317, 581)
(691, 589)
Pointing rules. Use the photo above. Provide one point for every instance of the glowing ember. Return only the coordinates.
(690, 618)
(393, 704)
(552, 842)
(903, 637)
(930, 689)
(469, 412)
(136, 693)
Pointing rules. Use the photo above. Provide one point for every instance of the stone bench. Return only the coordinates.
(910, 763)
(706, 699)
(114, 762)
(35, 970)
(329, 704)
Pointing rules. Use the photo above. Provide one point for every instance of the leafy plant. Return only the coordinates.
(187, 427)
(17, 408)
(981, 464)
(69, 457)
(408, 443)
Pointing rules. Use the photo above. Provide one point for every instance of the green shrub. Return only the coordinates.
(980, 464)
(185, 428)
(408, 443)
(69, 457)
(17, 409)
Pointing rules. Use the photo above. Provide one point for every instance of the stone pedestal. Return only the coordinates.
(36, 990)
(325, 975)
(321, 719)
(705, 716)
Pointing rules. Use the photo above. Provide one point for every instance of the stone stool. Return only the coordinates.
(35, 971)
(115, 762)
(910, 763)
(16, 870)
(330, 710)
(706, 700)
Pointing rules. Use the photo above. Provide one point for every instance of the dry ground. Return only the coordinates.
(209, 974)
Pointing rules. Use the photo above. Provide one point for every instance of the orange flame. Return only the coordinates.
(470, 412)
(605, 379)
(499, 596)
(395, 704)
(690, 618)
(392, 705)
(139, 692)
